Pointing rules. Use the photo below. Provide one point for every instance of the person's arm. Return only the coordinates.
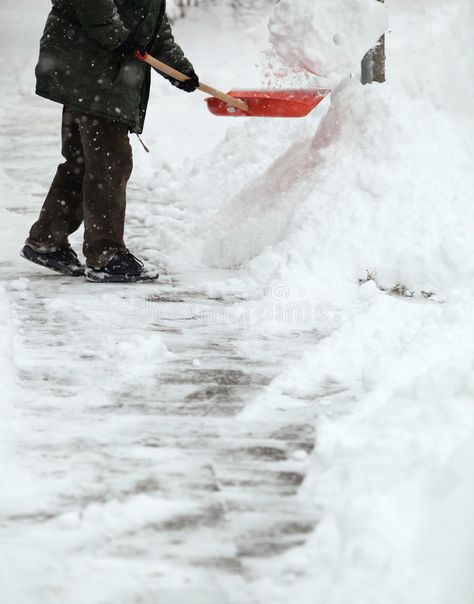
(101, 21)
(167, 50)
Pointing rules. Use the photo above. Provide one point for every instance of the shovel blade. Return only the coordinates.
(270, 103)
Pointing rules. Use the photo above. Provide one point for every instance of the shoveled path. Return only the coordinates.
(136, 480)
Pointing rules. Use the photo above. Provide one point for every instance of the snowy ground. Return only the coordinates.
(257, 427)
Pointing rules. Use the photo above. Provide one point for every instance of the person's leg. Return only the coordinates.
(61, 213)
(108, 166)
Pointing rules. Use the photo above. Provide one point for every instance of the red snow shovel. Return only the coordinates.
(254, 103)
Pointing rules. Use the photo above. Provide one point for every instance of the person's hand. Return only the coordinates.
(129, 47)
(189, 85)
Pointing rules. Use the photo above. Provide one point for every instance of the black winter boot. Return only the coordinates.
(62, 261)
(122, 268)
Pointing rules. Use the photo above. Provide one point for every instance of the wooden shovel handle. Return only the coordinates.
(177, 75)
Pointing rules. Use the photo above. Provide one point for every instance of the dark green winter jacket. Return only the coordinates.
(80, 66)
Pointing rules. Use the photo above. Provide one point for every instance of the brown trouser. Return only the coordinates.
(89, 186)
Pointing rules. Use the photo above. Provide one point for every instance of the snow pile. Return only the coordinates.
(385, 185)
(364, 194)
(369, 192)
(393, 468)
(326, 38)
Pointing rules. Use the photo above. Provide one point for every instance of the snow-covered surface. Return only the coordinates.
(154, 440)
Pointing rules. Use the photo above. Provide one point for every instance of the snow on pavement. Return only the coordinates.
(131, 478)
(125, 475)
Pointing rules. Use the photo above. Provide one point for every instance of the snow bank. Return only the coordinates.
(370, 192)
(385, 185)
(393, 474)
(326, 38)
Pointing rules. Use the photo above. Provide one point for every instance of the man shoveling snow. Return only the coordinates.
(87, 64)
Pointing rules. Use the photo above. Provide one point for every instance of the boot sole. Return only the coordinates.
(104, 278)
(56, 267)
